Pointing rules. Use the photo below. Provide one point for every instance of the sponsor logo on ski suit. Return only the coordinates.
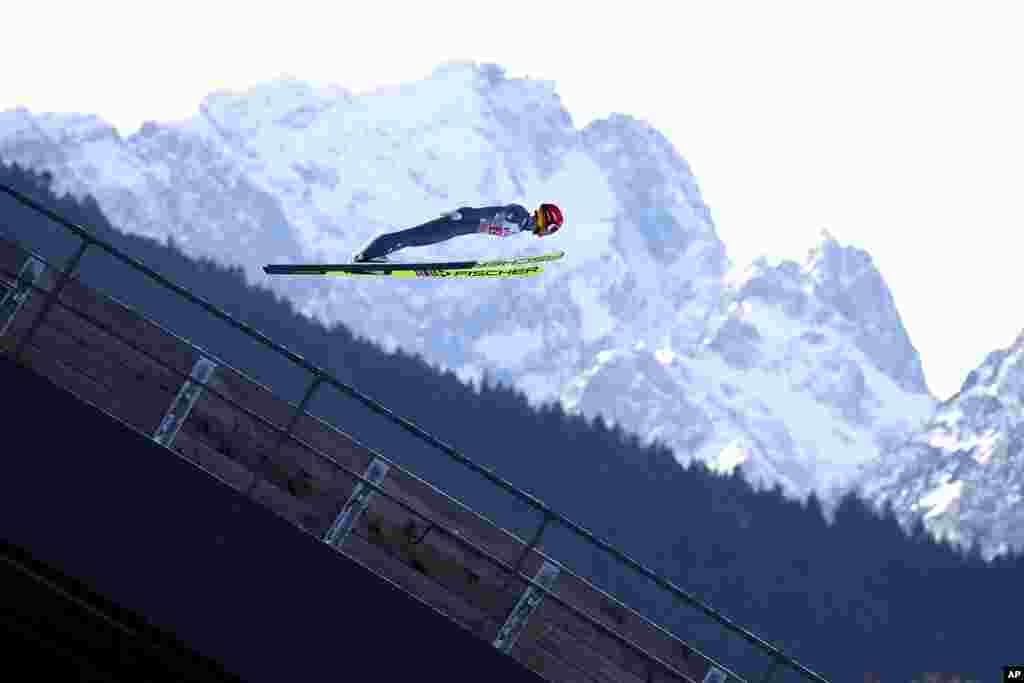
(510, 220)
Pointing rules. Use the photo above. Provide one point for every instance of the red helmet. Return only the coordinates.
(548, 219)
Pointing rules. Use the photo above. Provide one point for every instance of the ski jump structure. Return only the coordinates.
(505, 589)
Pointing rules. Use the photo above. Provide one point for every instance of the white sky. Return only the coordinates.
(895, 125)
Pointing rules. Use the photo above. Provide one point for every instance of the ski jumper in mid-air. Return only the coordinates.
(502, 221)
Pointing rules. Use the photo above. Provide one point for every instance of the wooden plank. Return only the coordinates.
(508, 551)
(115, 369)
(527, 624)
(147, 335)
(499, 543)
(331, 484)
(577, 594)
(6, 344)
(204, 456)
(328, 475)
(41, 360)
(335, 444)
(12, 256)
(287, 464)
(625, 621)
(589, 639)
(567, 633)
(302, 513)
(547, 665)
(556, 645)
(87, 381)
(423, 496)
(121, 361)
(432, 552)
(291, 508)
(422, 586)
(259, 446)
(256, 397)
(134, 388)
(237, 436)
(382, 529)
(332, 441)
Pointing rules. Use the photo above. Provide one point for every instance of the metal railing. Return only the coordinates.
(319, 377)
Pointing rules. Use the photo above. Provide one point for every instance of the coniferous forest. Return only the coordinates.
(849, 597)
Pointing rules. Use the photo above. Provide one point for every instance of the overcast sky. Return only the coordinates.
(897, 126)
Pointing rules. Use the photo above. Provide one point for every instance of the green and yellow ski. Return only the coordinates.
(516, 267)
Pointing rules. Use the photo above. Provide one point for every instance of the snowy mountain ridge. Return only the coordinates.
(800, 372)
(963, 473)
(789, 345)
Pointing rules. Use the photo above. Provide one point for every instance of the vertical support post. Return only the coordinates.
(13, 300)
(528, 601)
(51, 298)
(534, 542)
(715, 675)
(187, 396)
(357, 503)
(770, 673)
(529, 546)
(299, 409)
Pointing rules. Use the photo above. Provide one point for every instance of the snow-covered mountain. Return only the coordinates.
(163, 181)
(801, 372)
(963, 474)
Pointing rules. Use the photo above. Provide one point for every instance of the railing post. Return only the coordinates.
(299, 410)
(51, 298)
(12, 302)
(772, 668)
(715, 675)
(529, 547)
(343, 524)
(535, 541)
(182, 405)
(528, 601)
(283, 436)
(546, 575)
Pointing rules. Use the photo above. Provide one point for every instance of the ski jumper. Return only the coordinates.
(492, 220)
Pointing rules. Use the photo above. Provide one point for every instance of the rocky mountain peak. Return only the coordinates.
(839, 286)
(1000, 375)
(962, 474)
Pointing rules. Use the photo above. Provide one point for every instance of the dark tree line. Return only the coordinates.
(859, 595)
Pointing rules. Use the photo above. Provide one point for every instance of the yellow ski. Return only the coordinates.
(516, 267)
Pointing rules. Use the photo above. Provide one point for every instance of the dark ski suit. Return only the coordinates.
(493, 220)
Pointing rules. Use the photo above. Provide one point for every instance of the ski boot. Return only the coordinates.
(360, 258)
